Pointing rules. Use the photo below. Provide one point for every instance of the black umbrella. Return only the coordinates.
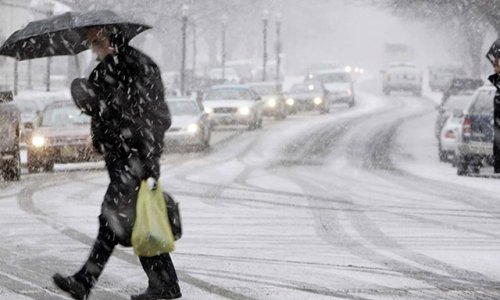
(494, 52)
(65, 34)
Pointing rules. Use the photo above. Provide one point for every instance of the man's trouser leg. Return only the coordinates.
(99, 256)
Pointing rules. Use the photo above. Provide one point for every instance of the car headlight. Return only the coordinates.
(290, 101)
(348, 69)
(271, 102)
(209, 110)
(318, 100)
(244, 110)
(193, 128)
(38, 141)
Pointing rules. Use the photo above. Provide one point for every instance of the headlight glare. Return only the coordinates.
(290, 101)
(318, 100)
(193, 128)
(271, 102)
(38, 141)
(244, 110)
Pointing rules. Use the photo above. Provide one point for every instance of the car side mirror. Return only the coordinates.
(458, 113)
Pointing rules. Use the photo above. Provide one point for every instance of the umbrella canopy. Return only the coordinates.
(65, 34)
(494, 52)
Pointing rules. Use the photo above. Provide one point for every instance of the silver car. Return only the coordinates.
(234, 105)
(190, 125)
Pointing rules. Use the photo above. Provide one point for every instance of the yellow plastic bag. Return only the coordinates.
(152, 234)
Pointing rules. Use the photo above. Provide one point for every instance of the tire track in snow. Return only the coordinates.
(25, 202)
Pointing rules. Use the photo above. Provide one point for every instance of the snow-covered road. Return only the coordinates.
(349, 205)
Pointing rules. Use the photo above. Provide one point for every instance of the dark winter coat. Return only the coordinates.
(132, 116)
(129, 120)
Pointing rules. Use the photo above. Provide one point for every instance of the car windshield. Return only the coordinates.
(332, 77)
(457, 102)
(304, 88)
(60, 116)
(228, 94)
(264, 89)
(484, 102)
(183, 108)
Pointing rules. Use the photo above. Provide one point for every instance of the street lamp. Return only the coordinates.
(184, 12)
(278, 46)
(223, 48)
(265, 20)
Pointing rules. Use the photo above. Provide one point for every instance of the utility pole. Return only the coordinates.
(223, 48)
(184, 10)
(278, 46)
(264, 33)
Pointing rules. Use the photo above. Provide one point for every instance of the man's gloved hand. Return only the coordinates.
(84, 96)
(152, 183)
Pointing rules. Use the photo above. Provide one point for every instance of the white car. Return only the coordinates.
(405, 77)
(450, 135)
(234, 105)
(449, 117)
(190, 125)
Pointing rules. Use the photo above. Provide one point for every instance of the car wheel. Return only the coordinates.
(463, 166)
(442, 154)
(352, 103)
(259, 123)
(12, 168)
(48, 166)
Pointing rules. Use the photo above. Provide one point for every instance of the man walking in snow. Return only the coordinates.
(124, 95)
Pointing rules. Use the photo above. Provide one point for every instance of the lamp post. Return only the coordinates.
(223, 48)
(184, 11)
(195, 47)
(265, 20)
(278, 46)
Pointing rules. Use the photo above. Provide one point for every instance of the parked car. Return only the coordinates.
(274, 100)
(405, 77)
(451, 130)
(440, 76)
(462, 85)
(447, 107)
(10, 120)
(190, 125)
(475, 144)
(30, 109)
(62, 135)
(338, 83)
(308, 96)
(234, 105)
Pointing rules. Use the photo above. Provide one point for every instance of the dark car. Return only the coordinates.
(10, 120)
(308, 96)
(274, 100)
(459, 86)
(440, 76)
(338, 83)
(475, 145)
(62, 135)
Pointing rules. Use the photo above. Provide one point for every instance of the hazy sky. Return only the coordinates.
(354, 34)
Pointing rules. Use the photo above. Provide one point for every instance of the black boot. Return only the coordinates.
(72, 286)
(163, 283)
(171, 292)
